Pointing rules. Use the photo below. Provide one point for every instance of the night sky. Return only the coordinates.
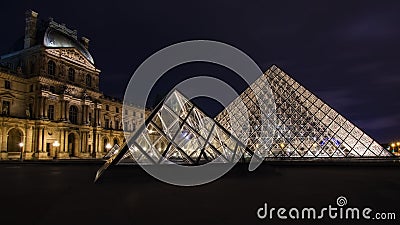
(346, 52)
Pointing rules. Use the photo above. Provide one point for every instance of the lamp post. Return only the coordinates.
(21, 146)
(108, 146)
(393, 145)
(56, 144)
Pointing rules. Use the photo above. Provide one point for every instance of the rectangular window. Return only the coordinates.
(126, 112)
(90, 117)
(106, 123)
(141, 115)
(50, 112)
(116, 109)
(107, 107)
(134, 113)
(7, 84)
(31, 88)
(6, 108)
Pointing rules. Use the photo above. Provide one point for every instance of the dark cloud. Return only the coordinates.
(347, 52)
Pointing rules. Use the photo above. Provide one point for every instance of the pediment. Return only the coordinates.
(71, 54)
(7, 95)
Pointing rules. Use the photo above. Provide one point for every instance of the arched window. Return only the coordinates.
(88, 80)
(14, 137)
(71, 74)
(115, 141)
(73, 114)
(51, 68)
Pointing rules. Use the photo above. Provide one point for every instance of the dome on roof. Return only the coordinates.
(56, 39)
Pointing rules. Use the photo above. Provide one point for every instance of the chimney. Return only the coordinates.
(85, 42)
(30, 28)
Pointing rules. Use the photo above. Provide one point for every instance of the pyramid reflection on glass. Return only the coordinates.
(279, 119)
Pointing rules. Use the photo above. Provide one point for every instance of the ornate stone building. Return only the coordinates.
(51, 105)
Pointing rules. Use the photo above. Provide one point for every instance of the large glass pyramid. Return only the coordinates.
(283, 119)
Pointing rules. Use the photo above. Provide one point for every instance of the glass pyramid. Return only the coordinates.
(179, 132)
(283, 119)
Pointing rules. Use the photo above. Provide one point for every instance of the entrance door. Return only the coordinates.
(71, 144)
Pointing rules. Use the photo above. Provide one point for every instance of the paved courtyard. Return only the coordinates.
(64, 193)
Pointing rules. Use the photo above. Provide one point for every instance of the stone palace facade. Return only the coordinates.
(51, 105)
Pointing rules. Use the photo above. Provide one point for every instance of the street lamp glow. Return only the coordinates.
(21, 144)
(56, 144)
(108, 146)
(393, 145)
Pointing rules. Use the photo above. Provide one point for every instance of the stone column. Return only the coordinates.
(97, 116)
(40, 139)
(83, 114)
(98, 144)
(66, 108)
(44, 145)
(3, 139)
(45, 103)
(28, 142)
(62, 133)
(39, 108)
(83, 141)
(61, 112)
(66, 141)
(41, 154)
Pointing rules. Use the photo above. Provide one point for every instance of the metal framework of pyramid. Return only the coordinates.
(279, 119)
(179, 132)
(287, 120)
